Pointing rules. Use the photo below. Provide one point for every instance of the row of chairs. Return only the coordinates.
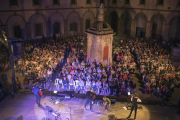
(82, 89)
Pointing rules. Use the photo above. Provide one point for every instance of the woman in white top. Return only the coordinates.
(98, 86)
(105, 87)
(61, 84)
(88, 85)
(71, 84)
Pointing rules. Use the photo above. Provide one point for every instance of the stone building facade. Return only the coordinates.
(30, 19)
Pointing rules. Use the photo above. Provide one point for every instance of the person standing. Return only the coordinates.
(36, 92)
(134, 99)
(89, 98)
(43, 82)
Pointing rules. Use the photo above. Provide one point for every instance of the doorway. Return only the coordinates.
(17, 32)
(154, 30)
(114, 21)
(105, 55)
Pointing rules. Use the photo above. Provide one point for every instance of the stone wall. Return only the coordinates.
(25, 14)
(96, 45)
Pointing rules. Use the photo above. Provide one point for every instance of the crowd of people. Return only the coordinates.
(152, 58)
(42, 59)
(157, 72)
(80, 74)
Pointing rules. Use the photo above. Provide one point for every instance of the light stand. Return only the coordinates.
(12, 66)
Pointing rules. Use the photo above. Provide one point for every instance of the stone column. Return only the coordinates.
(133, 28)
(165, 31)
(81, 26)
(95, 19)
(66, 27)
(28, 30)
(148, 29)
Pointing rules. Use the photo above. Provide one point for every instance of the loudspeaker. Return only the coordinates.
(112, 117)
(113, 101)
(4, 77)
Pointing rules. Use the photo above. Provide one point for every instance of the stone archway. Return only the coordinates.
(38, 24)
(141, 21)
(113, 20)
(174, 30)
(57, 19)
(157, 26)
(74, 17)
(17, 27)
(126, 23)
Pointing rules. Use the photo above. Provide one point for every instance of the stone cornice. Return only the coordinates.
(90, 8)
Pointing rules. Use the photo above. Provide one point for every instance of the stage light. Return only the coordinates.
(55, 91)
(56, 102)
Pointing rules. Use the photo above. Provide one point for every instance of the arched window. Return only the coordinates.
(126, 1)
(142, 2)
(113, 1)
(88, 1)
(160, 2)
(178, 4)
(73, 27)
(87, 23)
(73, 1)
(17, 31)
(36, 2)
(38, 29)
(13, 2)
(101, 1)
(56, 2)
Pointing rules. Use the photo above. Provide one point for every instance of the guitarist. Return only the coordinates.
(93, 97)
(135, 99)
(89, 95)
(106, 102)
(36, 91)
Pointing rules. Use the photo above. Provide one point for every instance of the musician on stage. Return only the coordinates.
(106, 102)
(36, 92)
(89, 95)
(134, 99)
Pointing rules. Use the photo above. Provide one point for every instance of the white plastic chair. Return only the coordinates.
(56, 83)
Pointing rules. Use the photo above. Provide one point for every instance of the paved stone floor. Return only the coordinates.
(23, 107)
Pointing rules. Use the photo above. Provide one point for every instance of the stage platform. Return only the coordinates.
(148, 99)
(24, 107)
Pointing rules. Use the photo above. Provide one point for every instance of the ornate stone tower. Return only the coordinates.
(99, 40)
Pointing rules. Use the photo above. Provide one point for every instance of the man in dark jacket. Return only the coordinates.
(89, 95)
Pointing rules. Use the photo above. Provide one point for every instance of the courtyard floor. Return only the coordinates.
(24, 107)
